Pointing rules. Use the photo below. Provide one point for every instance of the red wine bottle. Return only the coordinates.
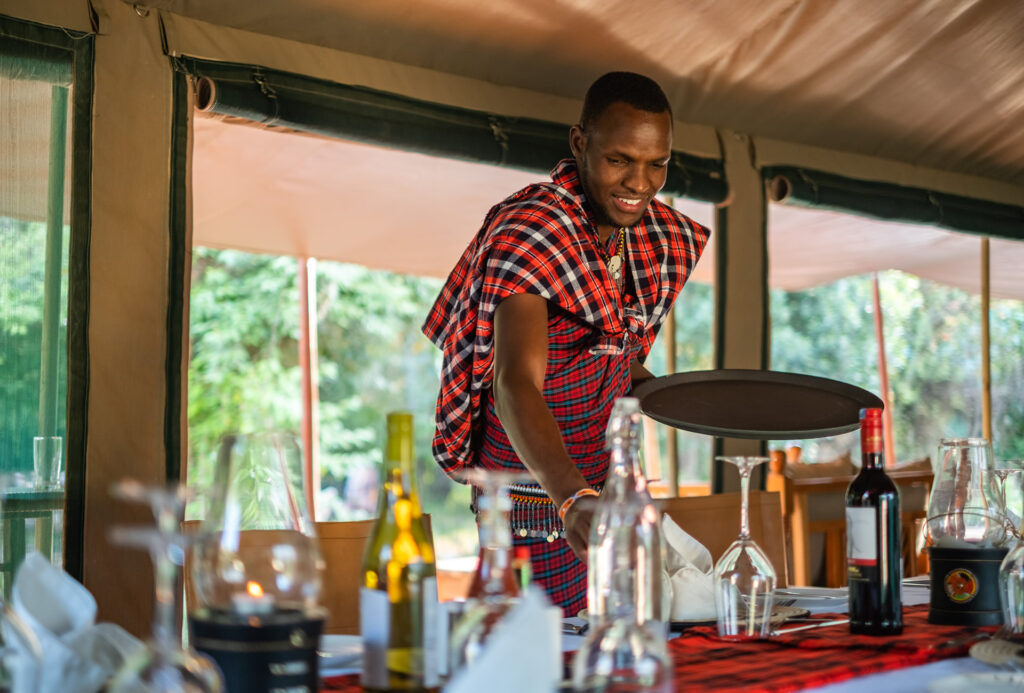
(873, 545)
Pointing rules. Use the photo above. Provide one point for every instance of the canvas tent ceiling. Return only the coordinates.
(291, 193)
(936, 83)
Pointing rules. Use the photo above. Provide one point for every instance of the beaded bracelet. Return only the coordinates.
(572, 499)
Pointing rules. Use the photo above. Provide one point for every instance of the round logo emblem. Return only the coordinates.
(961, 585)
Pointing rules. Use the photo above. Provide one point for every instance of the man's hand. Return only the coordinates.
(577, 525)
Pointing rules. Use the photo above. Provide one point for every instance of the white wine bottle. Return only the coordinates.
(398, 601)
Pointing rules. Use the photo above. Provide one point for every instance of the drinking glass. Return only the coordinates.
(47, 452)
(494, 590)
(744, 577)
(163, 666)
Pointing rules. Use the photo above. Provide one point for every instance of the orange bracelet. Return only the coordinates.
(573, 498)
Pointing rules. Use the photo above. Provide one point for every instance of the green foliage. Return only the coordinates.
(22, 286)
(933, 354)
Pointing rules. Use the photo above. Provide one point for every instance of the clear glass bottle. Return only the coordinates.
(625, 646)
(495, 589)
(398, 602)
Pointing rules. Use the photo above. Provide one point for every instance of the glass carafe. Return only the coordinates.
(965, 507)
(257, 568)
(625, 647)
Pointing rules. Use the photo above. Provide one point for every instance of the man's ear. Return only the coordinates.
(577, 140)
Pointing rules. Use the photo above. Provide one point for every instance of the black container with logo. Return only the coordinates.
(965, 586)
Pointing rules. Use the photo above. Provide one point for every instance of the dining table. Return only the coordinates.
(815, 652)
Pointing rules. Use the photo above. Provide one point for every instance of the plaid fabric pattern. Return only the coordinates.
(543, 240)
(562, 576)
(804, 659)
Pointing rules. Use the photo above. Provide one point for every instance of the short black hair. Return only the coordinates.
(642, 93)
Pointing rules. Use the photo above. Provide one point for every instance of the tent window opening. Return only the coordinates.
(41, 238)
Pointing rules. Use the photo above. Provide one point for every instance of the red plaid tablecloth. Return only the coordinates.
(796, 661)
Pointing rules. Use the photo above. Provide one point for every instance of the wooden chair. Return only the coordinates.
(714, 521)
(817, 505)
(341, 546)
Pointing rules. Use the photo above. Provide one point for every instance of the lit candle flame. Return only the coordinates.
(254, 589)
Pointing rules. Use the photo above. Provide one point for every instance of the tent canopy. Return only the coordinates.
(936, 83)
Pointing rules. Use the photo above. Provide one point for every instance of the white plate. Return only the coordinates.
(340, 651)
(994, 682)
(996, 652)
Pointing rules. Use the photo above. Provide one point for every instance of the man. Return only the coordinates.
(548, 317)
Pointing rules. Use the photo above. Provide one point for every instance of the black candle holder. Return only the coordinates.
(965, 586)
(261, 653)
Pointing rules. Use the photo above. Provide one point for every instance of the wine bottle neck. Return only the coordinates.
(873, 460)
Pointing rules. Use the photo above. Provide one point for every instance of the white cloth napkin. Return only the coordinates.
(78, 655)
(523, 654)
(686, 581)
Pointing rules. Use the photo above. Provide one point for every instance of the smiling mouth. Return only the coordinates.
(628, 203)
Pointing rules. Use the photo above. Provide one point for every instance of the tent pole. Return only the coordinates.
(883, 377)
(986, 373)
(308, 366)
(52, 273)
(671, 437)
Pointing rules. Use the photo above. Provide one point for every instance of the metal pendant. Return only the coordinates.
(615, 266)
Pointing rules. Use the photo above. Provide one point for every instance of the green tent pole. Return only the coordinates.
(52, 278)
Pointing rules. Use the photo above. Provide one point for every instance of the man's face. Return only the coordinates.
(623, 161)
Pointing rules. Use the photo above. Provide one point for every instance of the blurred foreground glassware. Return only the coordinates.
(744, 577)
(163, 666)
(625, 647)
(257, 568)
(495, 589)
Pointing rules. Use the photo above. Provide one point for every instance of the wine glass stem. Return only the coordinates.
(164, 579)
(744, 502)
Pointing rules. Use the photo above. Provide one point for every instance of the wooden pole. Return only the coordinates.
(49, 346)
(309, 367)
(671, 435)
(883, 376)
(986, 373)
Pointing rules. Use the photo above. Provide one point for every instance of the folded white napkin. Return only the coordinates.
(66, 650)
(524, 653)
(686, 581)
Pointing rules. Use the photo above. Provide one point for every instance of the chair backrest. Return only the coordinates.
(714, 521)
(341, 546)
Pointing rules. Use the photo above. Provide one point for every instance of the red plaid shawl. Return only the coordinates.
(543, 240)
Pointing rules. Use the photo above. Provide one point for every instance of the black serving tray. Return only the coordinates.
(766, 405)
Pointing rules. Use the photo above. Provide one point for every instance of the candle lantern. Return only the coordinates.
(256, 570)
(965, 525)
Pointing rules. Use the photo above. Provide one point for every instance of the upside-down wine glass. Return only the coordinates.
(494, 590)
(744, 577)
(1011, 570)
(1008, 472)
(163, 666)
